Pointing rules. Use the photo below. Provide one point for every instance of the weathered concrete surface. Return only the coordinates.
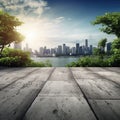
(16, 98)
(60, 93)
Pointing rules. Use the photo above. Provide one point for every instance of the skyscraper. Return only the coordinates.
(77, 48)
(109, 47)
(68, 50)
(53, 51)
(41, 51)
(86, 43)
(73, 50)
(80, 50)
(91, 50)
(64, 49)
(59, 50)
(44, 50)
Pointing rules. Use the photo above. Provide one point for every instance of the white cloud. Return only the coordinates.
(24, 7)
(59, 20)
(41, 31)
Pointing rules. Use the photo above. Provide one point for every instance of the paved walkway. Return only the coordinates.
(60, 93)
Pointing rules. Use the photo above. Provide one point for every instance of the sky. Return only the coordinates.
(54, 22)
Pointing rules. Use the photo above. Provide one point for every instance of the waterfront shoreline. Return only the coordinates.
(56, 61)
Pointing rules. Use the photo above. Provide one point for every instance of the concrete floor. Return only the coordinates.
(83, 93)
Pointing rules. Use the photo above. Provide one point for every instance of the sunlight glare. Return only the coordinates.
(36, 35)
(30, 36)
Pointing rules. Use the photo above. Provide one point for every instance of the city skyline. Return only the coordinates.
(26, 46)
(64, 49)
(51, 22)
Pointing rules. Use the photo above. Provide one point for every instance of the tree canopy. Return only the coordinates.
(116, 44)
(101, 47)
(102, 43)
(110, 23)
(8, 31)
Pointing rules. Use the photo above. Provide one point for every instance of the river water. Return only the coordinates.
(56, 61)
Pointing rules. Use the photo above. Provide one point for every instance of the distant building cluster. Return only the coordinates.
(63, 50)
(26, 48)
(18, 46)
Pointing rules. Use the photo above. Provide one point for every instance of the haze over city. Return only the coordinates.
(53, 22)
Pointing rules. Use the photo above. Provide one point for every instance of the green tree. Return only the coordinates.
(100, 50)
(96, 51)
(110, 23)
(101, 45)
(8, 32)
(116, 44)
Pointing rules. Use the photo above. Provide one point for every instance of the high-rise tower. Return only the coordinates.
(86, 43)
(64, 49)
(77, 48)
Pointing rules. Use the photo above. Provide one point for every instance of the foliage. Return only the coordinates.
(102, 44)
(8, 31)
(48, 64)
(115, 57)
(96, 51)
(110, 23)
(93, 61)
(114, 60)
(98, 60)
(10, 62)
(100, 51)
(12, 57)
(39, 64)
(116, 44)
(19, 58)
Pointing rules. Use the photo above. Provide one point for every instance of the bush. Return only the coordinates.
(36, 64)
(48, 64)
(39, 64)
(114, 60)
(14, 58)
(116, 44)
(19, 58)
(9, 61)
(89, 62)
